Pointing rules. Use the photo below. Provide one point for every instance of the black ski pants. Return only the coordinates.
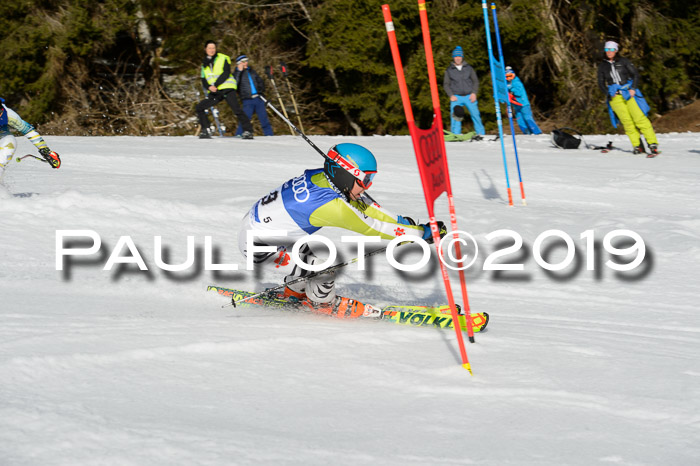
(214, 98)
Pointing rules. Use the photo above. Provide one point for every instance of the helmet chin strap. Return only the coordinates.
(370, 198)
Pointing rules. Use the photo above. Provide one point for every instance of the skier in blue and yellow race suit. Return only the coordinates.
(10, 121)
(325, 197)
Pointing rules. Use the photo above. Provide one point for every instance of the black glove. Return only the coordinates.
(428, 235)
(442, 229)
(51, 157)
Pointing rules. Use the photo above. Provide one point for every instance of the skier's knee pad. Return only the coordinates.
(321, 288)
(8, 145)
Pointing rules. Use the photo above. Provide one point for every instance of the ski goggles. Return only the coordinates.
(364, 178)
(367, 181)
(610, 50)
(510, 75)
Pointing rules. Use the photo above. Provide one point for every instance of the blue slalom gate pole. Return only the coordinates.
(508, 105)
(495, 99)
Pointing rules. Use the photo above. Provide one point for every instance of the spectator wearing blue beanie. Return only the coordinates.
(461, 85)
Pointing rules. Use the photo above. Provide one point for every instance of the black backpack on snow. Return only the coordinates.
(564, 138)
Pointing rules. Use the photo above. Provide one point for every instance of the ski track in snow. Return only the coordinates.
(147, 368)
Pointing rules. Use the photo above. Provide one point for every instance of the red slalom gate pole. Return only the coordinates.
(432, 167)
(429, 60)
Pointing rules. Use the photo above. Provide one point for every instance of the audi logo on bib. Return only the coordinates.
(299, 187)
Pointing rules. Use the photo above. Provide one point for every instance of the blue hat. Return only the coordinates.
(241, 58)
(457, 52)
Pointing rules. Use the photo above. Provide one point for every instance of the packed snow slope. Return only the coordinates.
(137, 367)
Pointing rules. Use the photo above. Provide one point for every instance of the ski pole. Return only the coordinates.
(330, 269)
(291, 125)
(301, 133)
(508, 105)
(291, 94)
(495, 100)
(268, 72)
(19, 159)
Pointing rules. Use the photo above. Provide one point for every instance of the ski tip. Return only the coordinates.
(468, 367)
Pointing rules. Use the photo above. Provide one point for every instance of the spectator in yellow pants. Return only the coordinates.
(633, 120)
(618, 78)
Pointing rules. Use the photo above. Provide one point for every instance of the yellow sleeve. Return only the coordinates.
(373, 221)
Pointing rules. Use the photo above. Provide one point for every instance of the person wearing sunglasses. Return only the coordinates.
(520, 103)
(619, 80)
(332, 196)
(11, 122)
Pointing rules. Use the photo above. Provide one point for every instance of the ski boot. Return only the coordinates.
(247, 135)
(51, 157)
(653, 151)
(639, 149)
(204, 134)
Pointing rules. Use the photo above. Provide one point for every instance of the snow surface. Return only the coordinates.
(147, 368)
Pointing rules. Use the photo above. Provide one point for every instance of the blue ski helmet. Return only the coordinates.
(359, 157)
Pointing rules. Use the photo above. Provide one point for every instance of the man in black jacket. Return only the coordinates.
(618, 79)
(220, 84)
(250, 88)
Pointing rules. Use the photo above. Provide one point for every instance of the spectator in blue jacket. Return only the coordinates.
(520, 104)
(461, 85)
(250, 88)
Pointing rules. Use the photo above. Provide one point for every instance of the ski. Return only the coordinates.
(609, 148)
(283, 67)
(409, 315)
(452, 137)
(270, 76)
